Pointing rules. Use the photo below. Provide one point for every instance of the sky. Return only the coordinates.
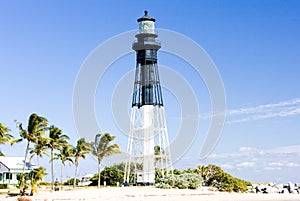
(253, 44)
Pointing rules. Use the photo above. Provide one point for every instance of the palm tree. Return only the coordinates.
(35, 176)
(39, 149)
(5, 136)
(102, 147)
(36, 127)
(65, 155)
(82, 148)
(56, 142)
(158, 151)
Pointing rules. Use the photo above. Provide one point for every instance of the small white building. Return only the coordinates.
(11, 167)
(85, 180)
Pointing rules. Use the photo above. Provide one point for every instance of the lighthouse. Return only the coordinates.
(148, 144)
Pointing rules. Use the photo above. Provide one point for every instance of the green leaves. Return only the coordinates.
(37, 125)
(37, 174)
(4, 131)
(182, 181)
(65, 154)
(102, 146)
(82, 148)
(57, 139)
(5, 136)
(216, 177)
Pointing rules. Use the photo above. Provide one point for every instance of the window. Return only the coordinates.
(8, 175)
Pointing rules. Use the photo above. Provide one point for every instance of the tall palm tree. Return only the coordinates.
(56, 142)
(102, 147)
(36, 127)
(80, 151)
(39, 149)
(64, 155)
(5, 136)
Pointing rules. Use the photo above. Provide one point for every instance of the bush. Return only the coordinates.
(163, 186)
(194, 180)
(183, 181)
(43, 183)
(71, 182)
(3, 186)
(216, 177)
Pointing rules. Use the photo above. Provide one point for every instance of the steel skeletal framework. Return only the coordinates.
(148, 144)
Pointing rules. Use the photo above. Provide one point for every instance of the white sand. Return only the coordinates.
(148, 193)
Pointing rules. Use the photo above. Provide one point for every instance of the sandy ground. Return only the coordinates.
(148, 193)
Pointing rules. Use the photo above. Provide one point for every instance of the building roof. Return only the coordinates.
(88, 176)
(146, 17)
(15, 163)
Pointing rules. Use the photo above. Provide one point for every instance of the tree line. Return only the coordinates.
(44, 140)
(203, 175)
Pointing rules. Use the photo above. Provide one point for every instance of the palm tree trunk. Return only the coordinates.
(38, 161)
(23, 181)
(52, 170)
(61, 175)
(99, 174)
(76, 166)
(26, 153)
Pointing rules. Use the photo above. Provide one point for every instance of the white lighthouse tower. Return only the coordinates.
(148, 144)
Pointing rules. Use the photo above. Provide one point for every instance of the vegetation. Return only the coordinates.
(57, 140)
(35, 176)
(102, 148)
(22, 184)
(157, 152)
(70, 182)
(216, 177)
(44, 183)
(181, 181)
(64, 155)
(110, 174)
(5, 136)
(3, 186)
(80, 151)
(36, 127)
(39, 149)
(38, 145)
(57, 144)
(210, 175)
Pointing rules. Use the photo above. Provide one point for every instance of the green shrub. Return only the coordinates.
(194, 180)
(3, 186)
(216, 177)
(43, 183)
(164, 186)
(71, 182)
(183, 181)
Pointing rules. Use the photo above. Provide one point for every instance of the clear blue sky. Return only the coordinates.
(254, 44)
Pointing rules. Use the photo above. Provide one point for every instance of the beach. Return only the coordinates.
(151, 193)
